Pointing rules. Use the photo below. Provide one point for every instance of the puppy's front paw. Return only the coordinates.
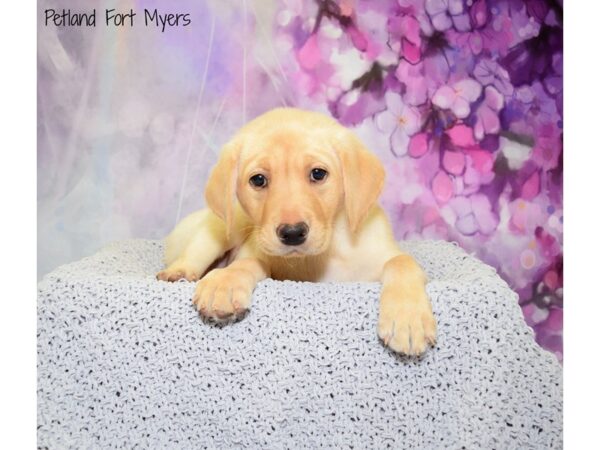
(176, 272)
(406, 325)
(224, 293)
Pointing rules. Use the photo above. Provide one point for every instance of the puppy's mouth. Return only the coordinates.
(288, 251)
(293, 252)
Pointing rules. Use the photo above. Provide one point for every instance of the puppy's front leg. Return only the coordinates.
(406, 322)
(227, 292)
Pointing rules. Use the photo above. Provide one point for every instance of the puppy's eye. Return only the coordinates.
(258, 180)
(318, 174)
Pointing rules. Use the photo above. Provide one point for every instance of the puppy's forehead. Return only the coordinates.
(288, 143)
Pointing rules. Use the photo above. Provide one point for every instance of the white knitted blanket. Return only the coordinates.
(125, 361)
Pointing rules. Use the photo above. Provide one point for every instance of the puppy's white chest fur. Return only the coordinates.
(361, 256)
(340, 269)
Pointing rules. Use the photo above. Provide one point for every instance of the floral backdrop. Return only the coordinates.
(461, 99)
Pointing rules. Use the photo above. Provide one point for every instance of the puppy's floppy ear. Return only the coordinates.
(363, 176)
(220, 192)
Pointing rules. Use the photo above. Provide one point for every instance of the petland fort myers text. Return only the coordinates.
(115, 18)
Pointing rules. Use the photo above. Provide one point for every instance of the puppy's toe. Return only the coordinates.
(178, 271)
(203, 297)
(418, 344)
(170, 275)
(429, 328)
(240, 300)
(221, 306)
(385, 328)
(401, 340)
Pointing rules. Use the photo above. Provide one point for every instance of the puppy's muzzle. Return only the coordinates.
(292, 234)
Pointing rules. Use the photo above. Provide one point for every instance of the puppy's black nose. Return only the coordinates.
(292, 234)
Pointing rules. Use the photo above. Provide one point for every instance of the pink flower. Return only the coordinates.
(419, 145)
(487, 113)
(482, 161)
(466, 158)
(473, 178)
(309, 56)
(407, 31)
(442, 187)
(416, 84)
(400, 120)
(531, 187)
(357, 37)
(314, 56)
(453, 162)
(458, 97)
(461, 136)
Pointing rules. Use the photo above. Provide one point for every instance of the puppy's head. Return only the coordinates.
(292, 171)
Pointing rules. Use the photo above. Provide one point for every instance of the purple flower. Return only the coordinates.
(447, 13)
(458, 97)
(473, 215)
(400, 121)
(487, 114)
(489, 72)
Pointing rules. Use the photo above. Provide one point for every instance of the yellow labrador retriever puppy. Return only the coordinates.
(294, 197)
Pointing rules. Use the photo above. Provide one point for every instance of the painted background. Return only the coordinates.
(462, 101)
